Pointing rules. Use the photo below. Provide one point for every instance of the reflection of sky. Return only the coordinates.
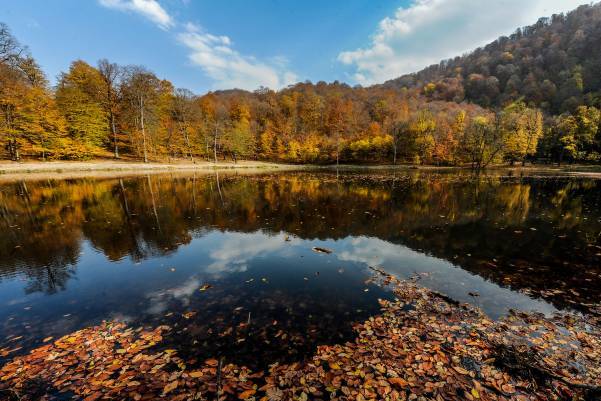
(158, 300)
(236, 249)
(222, 253)
(101, 289)
(441, 275)
(232, 252)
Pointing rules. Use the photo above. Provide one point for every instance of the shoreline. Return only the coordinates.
(107, 168)
(9, 167)
(32, 170)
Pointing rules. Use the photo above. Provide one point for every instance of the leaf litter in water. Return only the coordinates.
(318, 249)
(423, 346)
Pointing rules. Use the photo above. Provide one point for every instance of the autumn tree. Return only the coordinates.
(562, 137)
(523, 128)
(484, 140)
(110, 74)
(238, 138)
(208, 113)
(587, 136)
(141, 91)
(186, 115)
(79, 97)
(29, 120)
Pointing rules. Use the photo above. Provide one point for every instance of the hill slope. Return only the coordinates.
(554, 64)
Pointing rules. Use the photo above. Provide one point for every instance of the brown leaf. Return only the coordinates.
(508, 388)
(212, 362)
(398, 381)
(461, 370)
(93, 397)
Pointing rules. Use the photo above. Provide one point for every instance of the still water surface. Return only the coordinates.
(228, 260)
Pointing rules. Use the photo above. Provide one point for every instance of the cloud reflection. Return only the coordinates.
(232, 254)
(159, 300)
(441, 276)
(237, 249)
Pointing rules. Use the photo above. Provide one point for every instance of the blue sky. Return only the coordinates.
(219, 44)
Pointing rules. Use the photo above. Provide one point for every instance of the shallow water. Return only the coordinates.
(228, 260)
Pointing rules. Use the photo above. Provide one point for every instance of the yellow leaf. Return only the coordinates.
(170, 387)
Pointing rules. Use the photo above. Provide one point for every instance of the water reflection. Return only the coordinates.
(77, 251)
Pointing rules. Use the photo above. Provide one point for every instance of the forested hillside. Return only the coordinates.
(554, 64)
(534, 95)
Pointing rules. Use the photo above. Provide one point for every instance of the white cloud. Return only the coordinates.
(229, 69)
(150, 9)
(215, 55)
(428, 31)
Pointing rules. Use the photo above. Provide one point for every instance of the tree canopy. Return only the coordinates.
(535, 94)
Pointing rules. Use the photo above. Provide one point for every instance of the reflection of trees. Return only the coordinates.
(37, 239)
(446, 215)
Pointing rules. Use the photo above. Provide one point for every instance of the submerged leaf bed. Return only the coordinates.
(423, 346)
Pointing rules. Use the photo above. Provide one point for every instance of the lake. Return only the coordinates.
(262, 268)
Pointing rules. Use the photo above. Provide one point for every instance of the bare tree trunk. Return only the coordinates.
(115, 145)
(12, 146)
(215, 145)
(143, 129)
(337, 150)
(207, 146)
(187, 138)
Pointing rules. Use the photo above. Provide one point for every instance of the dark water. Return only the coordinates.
(140, 249)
